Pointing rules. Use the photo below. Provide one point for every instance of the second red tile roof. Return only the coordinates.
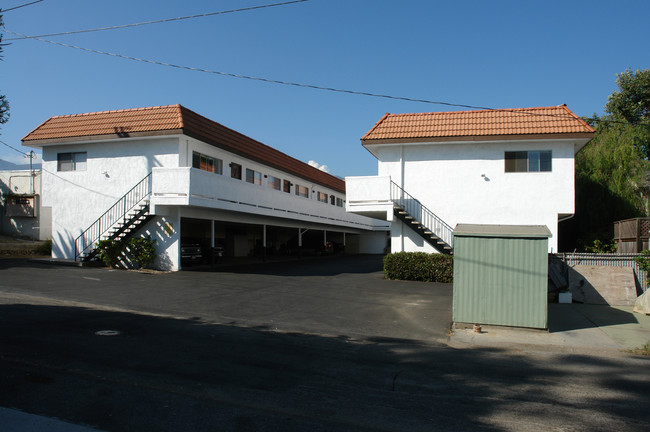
(558, 120)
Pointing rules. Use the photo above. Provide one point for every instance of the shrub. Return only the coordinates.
(142, 250)
(109, 251)
(644, 261)
(44, 248)
(419, 266)
(599, 246)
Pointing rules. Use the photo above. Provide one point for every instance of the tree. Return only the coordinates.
(4, 104)
(632, 102)
(613, 170)
(611, 183)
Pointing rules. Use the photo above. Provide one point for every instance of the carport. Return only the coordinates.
(265, 239)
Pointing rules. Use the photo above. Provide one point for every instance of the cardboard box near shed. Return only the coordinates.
(501, 274)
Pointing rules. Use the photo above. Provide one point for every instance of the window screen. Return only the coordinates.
(528, 161)
(71, 161)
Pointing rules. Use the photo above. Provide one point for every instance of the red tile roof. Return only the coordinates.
(557, 121)
(170, 120)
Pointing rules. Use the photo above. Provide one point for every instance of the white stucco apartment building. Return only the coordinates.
(172, 174)
(501, 167)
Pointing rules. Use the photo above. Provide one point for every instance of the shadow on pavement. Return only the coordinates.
(566, 317)
(320, 266)
(146, 373)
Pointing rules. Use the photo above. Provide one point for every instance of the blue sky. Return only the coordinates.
(498, 54)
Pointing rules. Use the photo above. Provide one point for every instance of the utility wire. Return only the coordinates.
(159, 21)
(311, 86)
(317, 87)
(18, 7)
(13, 148)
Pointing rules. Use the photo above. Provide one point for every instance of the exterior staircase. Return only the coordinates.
(422, 220)
(120, 221)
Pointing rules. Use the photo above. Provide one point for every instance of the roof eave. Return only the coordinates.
(39, 143)
(478, 138)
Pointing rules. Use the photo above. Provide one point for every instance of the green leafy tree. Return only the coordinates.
(612, 171)
(4, 104)
(632, 101)
(611, 183)
(631, 104)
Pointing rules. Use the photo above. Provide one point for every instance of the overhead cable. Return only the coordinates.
(22, 5)
(268, 80)
(159, 21)
(13, 148)
(317, 87)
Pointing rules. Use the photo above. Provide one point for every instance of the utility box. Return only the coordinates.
(501, 275)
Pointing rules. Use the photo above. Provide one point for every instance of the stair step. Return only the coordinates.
(414, 222)
(403, 212)
(409, 217)
(428, 232)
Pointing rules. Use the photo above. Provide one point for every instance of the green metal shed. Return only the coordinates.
(500, 275)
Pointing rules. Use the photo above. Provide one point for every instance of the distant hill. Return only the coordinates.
(9, 166)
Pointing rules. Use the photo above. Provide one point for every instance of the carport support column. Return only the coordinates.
(300, 233)
(263, 242)
(212, 257)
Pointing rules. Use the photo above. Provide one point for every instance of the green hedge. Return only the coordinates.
(419, 266)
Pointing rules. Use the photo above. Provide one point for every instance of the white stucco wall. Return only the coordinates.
(78, 198)
(190, 145)
(467, 183)
(373, 242)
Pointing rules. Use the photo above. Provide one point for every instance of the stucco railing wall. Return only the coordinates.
(189, 186)
(367, 189)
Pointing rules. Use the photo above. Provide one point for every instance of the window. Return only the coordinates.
(273, 182)
(207, 163)
(322, 197)
(235, 171)
(286, 186)
(528, 161)
(302, 191)
(71, 161)
(332, 200)
(254, 177)
(339, 202)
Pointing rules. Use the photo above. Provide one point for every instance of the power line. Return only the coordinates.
(23, 5)
(13, 148)
(317, 87)
(159, 21)
(233, 75)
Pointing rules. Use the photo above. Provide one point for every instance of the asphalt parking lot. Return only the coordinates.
(344, 296)
(318, 345)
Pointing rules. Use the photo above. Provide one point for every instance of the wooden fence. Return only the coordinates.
(632, 235)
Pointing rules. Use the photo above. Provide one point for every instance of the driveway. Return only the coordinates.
(344, 296)
(222, 368)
